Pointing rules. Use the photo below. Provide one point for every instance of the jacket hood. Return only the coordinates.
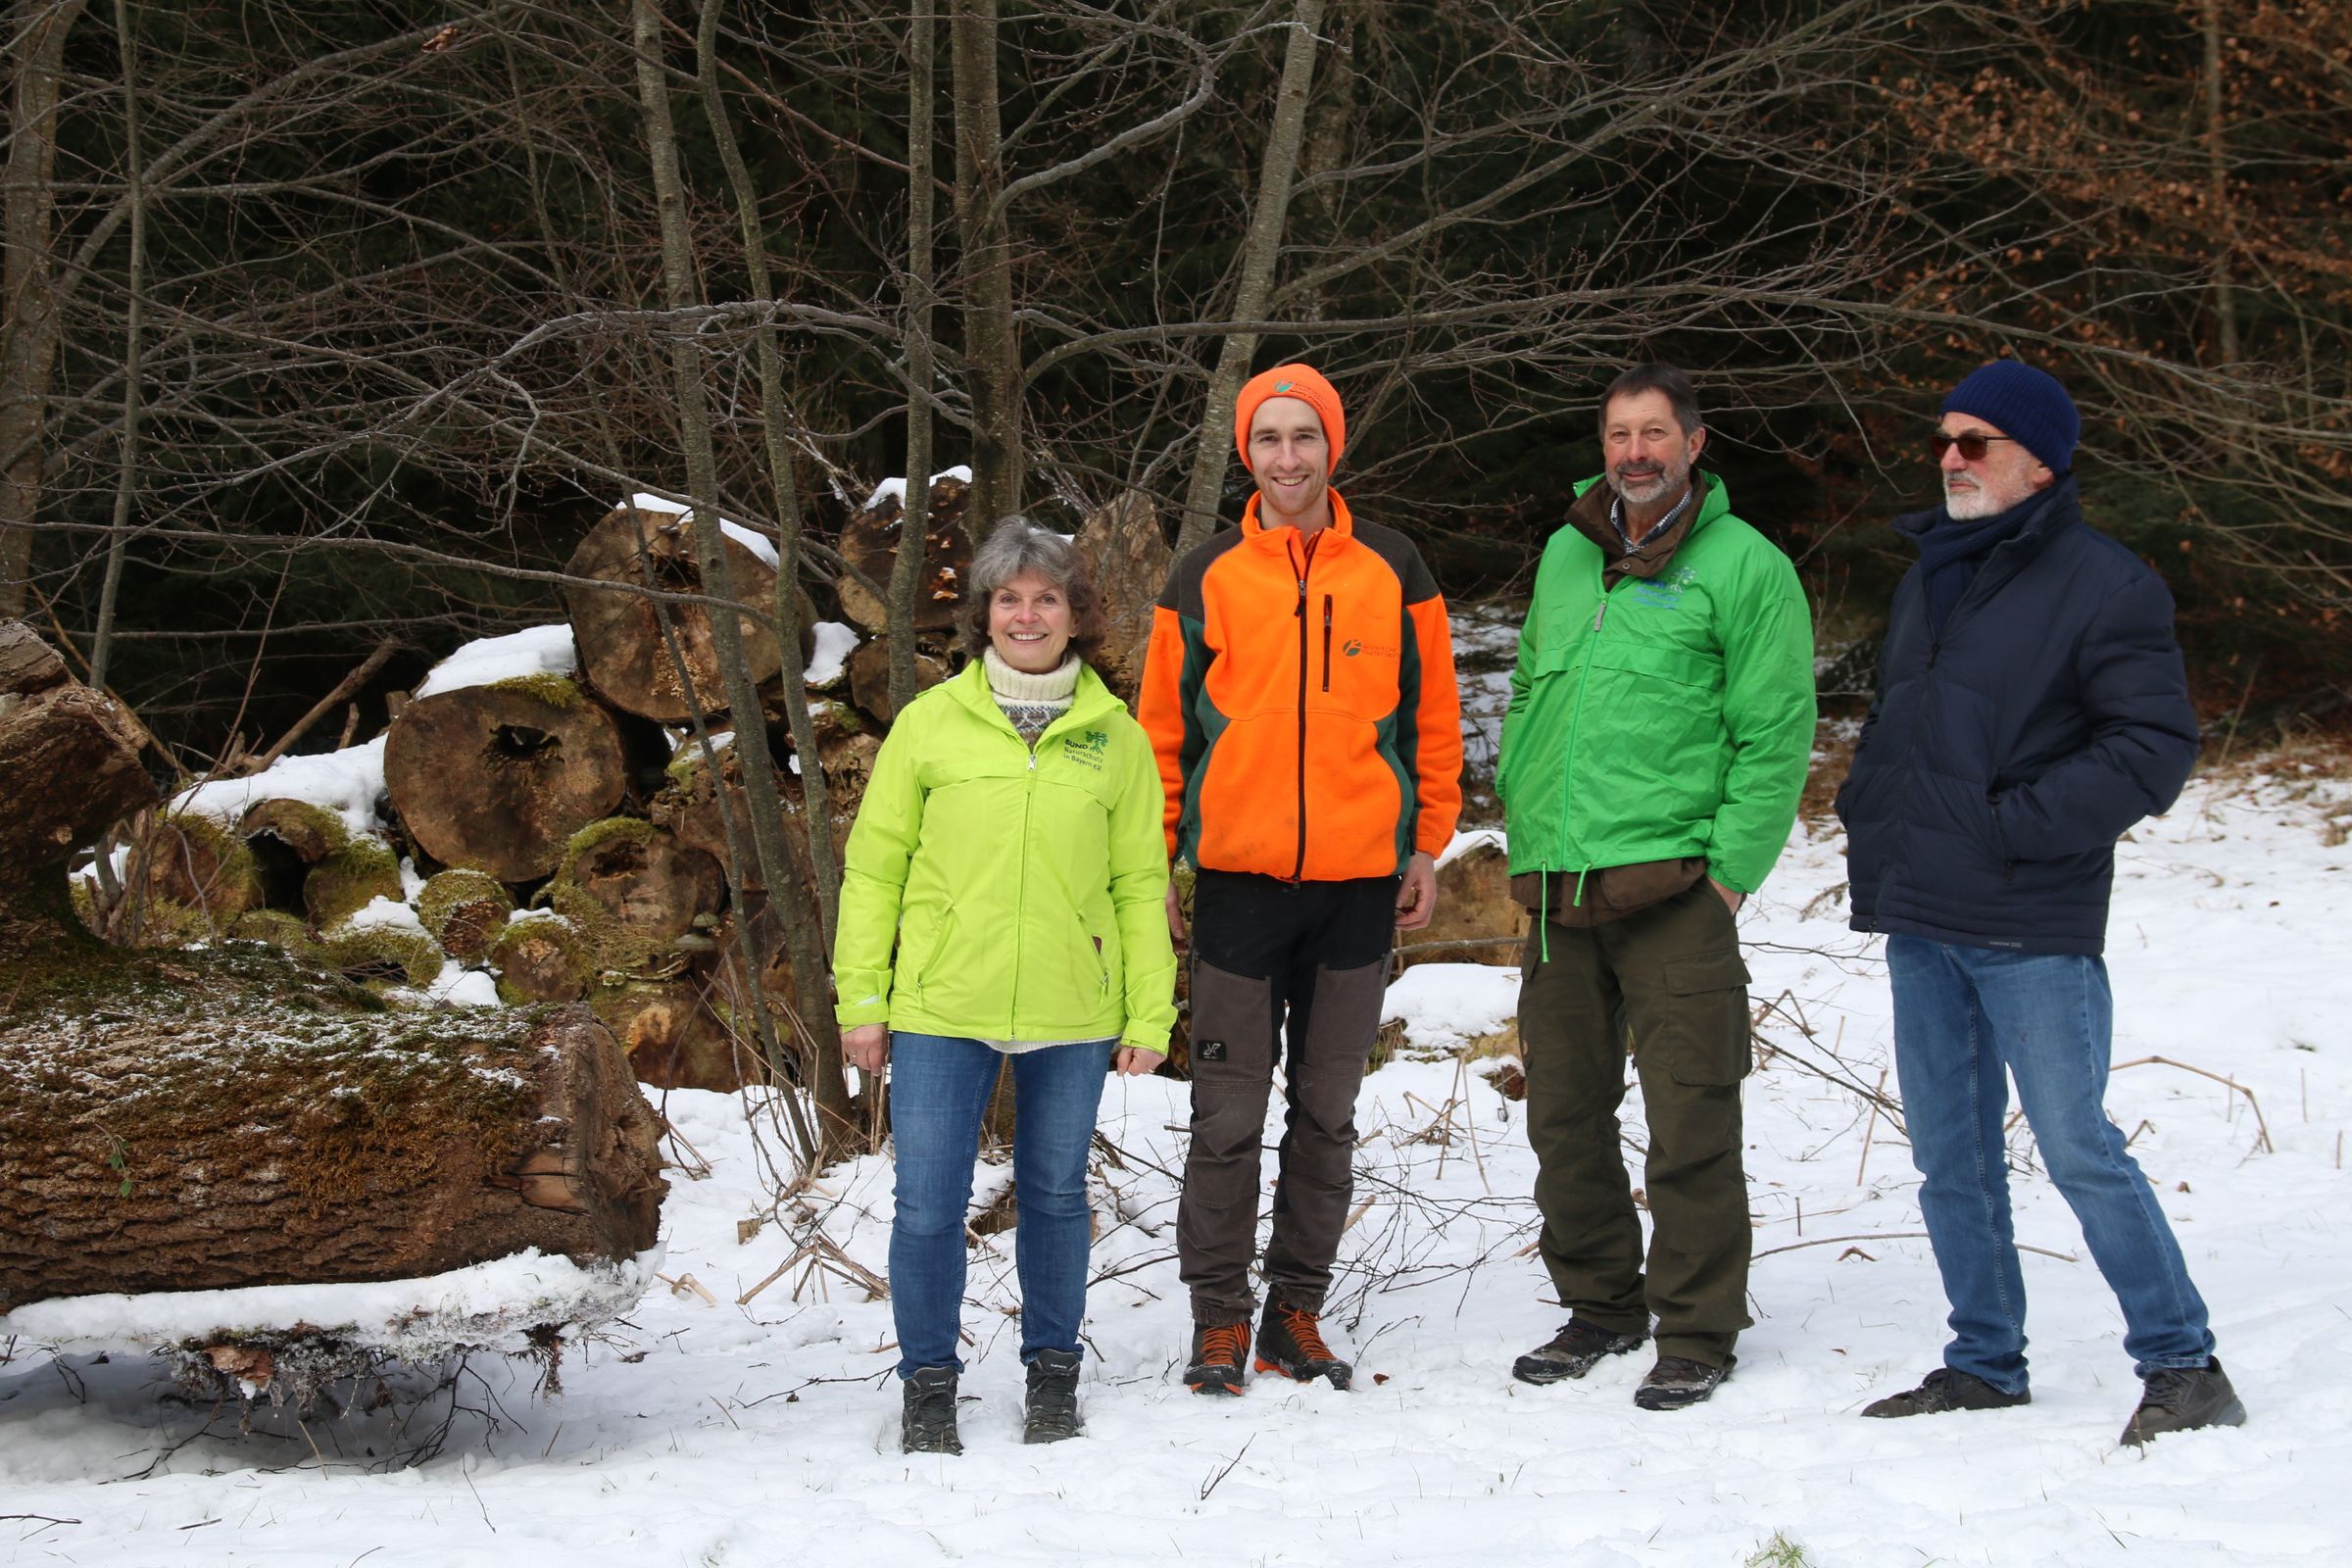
(1714, 496)
(1590, 516)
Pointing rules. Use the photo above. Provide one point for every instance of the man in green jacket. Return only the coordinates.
(1661, 719)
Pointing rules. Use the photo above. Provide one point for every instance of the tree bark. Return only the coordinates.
(500, 778)
(992, 346)
(922, 37)
(619, 634)
(249, 1127)
(1259, 253)
(28, 312)
(2216, 163)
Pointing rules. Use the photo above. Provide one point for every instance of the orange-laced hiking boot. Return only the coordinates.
(1218, 1352)
(1290, 1341)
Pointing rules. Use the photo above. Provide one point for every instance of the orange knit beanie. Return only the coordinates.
(1302, 382)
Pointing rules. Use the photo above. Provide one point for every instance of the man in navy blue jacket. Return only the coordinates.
(2030, 706)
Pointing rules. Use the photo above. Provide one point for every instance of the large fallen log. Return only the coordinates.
(229, 1118)
(500, 778)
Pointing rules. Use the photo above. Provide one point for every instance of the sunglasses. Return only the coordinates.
(1973, 446)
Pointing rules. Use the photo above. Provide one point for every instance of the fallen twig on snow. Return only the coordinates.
(2262, 1140)
(1899, 1236)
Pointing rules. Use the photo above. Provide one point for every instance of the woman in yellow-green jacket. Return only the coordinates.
(1004, 895)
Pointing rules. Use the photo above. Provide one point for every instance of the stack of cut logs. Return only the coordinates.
(571, 834)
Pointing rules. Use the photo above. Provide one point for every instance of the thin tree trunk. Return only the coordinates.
(28, 319)
(775, 405)
(992, 347)
(1258, 253)
(126, 482)
(914, 522)
(1324, 144)
(777, 853)
(2225, 229)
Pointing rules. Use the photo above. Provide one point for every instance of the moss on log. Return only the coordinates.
(201, 1121)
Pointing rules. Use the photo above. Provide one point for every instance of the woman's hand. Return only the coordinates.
(867, 1046)
(1134, 1060)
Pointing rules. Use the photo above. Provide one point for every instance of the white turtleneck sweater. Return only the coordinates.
(1031, 702)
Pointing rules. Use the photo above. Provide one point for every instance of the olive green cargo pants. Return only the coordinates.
(1668, 980)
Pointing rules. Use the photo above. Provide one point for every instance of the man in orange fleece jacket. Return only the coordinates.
(1300, 694)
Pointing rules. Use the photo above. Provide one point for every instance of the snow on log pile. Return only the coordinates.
(228, 1118)
(542, 821)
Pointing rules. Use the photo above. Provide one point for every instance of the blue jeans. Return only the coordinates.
(939, 1088)
(1961, 1015)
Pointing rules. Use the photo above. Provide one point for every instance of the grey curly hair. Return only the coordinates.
(1018, 546)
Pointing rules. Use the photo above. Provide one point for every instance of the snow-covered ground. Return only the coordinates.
(704, 1431)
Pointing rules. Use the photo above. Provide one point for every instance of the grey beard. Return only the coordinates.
(1965, 505)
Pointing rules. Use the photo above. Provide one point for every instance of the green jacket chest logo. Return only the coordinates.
(1088, 749)
(1665, 591)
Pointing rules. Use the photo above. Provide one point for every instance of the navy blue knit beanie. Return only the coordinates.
(2027, 404)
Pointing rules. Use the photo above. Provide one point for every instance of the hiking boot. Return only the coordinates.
(2182, 1399)
(1218, 1352)
(1677, 1382)
(1290, 1341)
(928, 1423)
(1572, 1352)
(1052, 1412)
(1947, 1390)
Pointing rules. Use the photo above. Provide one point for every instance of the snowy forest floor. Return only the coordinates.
(698, 1431)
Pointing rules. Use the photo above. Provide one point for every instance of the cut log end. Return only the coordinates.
(623, 653)
(498, 778)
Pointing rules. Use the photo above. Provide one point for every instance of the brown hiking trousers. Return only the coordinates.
(1667, 982)
(1275, 965)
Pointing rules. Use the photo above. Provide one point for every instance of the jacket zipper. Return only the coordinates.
(1299, 867)
(1575, 725)
(1020, 904)
(1326, 642)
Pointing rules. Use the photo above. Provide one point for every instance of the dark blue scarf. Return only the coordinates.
(1952, 548)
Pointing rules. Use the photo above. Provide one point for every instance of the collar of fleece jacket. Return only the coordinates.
(1254, 528)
